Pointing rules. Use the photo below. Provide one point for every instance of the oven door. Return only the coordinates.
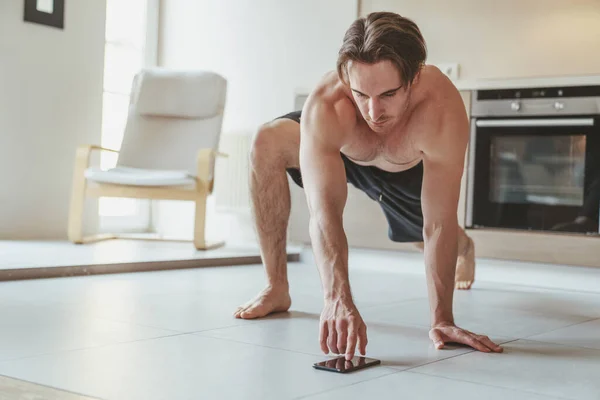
(534, 174)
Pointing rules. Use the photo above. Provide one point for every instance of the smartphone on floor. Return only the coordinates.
(342, 366)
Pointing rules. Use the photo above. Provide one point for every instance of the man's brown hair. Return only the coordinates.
(384, 36)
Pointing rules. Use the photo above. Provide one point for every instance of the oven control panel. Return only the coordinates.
(536, 93)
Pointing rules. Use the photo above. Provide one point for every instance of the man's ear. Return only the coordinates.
(418, 75)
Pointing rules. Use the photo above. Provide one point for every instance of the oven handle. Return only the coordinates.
(490, 123)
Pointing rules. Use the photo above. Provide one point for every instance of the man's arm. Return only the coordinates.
(324, 181)
(443, 163)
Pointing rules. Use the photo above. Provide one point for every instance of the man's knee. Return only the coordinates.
(272, 143)
(264, 143)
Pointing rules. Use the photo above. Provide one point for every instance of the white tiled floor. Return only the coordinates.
(171, 335)
(32, 254)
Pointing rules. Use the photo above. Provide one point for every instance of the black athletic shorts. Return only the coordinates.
(398, 193)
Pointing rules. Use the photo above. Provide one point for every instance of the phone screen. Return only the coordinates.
(341, 365)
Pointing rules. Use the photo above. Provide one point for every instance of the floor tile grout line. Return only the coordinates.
(491, 307)
(585, 292)
(66, 351)
(54, 388)
(249, 323)
(395, 302)
(138, 324)
(563, 327)
(494, 386)
(545, 288)
(167, 329)
(345, 386)
(562, 344)
(470, 351)
(258, 345)
(176, 333)
(536, 313)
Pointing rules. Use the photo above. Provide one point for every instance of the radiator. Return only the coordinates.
(231, 173)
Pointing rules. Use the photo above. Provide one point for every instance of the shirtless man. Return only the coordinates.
(394, 128)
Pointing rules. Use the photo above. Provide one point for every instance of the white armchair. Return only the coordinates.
(168, 150)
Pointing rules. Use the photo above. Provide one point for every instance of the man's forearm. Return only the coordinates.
(440, 262)
(330, 247)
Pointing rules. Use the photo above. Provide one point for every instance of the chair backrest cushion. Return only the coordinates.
(172, 115)
(183, 94)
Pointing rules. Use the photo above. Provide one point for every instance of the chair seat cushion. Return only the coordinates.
(139, 177)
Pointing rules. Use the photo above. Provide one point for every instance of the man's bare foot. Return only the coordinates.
(465, 266)
(269, 300)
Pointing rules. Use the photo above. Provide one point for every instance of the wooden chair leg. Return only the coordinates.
(200, 222)
(75, 225)
(200, 242)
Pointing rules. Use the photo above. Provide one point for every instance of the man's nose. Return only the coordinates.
(375, 110)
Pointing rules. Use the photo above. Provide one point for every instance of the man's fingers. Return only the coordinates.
(342, 334)
(440, 336)
(332, 339)
(352, 339)
(474, 343)
(323, 334)
(491, 345)
(436, 336)
(362, 339)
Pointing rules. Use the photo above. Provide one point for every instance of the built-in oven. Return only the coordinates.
(534, 159)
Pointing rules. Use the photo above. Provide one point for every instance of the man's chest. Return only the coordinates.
(394, 152)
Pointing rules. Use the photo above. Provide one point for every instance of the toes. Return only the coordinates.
(240, 310)
(254, 311)
(463, 285)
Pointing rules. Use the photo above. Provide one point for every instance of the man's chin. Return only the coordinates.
(378, 127)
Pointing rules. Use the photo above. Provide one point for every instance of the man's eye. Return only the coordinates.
(389, 94)
(360, 95)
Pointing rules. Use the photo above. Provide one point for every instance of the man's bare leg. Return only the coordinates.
(275, 147)
(465, 263)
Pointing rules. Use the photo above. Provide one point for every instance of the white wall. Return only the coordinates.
(507, 38)
(50, 102)
(265, 48)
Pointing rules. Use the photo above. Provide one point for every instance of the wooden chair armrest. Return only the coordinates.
(83, 152)
(96, 147)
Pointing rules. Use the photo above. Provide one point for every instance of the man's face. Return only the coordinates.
(378, 92)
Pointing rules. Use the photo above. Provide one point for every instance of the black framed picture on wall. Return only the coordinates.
(45, 12)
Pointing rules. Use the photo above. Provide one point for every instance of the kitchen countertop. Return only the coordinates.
(477, 84)
(581, 80)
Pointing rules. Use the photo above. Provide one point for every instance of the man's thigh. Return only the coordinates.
(398, 194)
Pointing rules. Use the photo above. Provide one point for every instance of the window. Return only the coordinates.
(131, 44)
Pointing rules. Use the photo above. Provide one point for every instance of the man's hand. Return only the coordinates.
(342, 328)
(441, 334)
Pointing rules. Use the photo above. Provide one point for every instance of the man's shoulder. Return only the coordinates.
(440, 102)
(330, 103)
(440, 114)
